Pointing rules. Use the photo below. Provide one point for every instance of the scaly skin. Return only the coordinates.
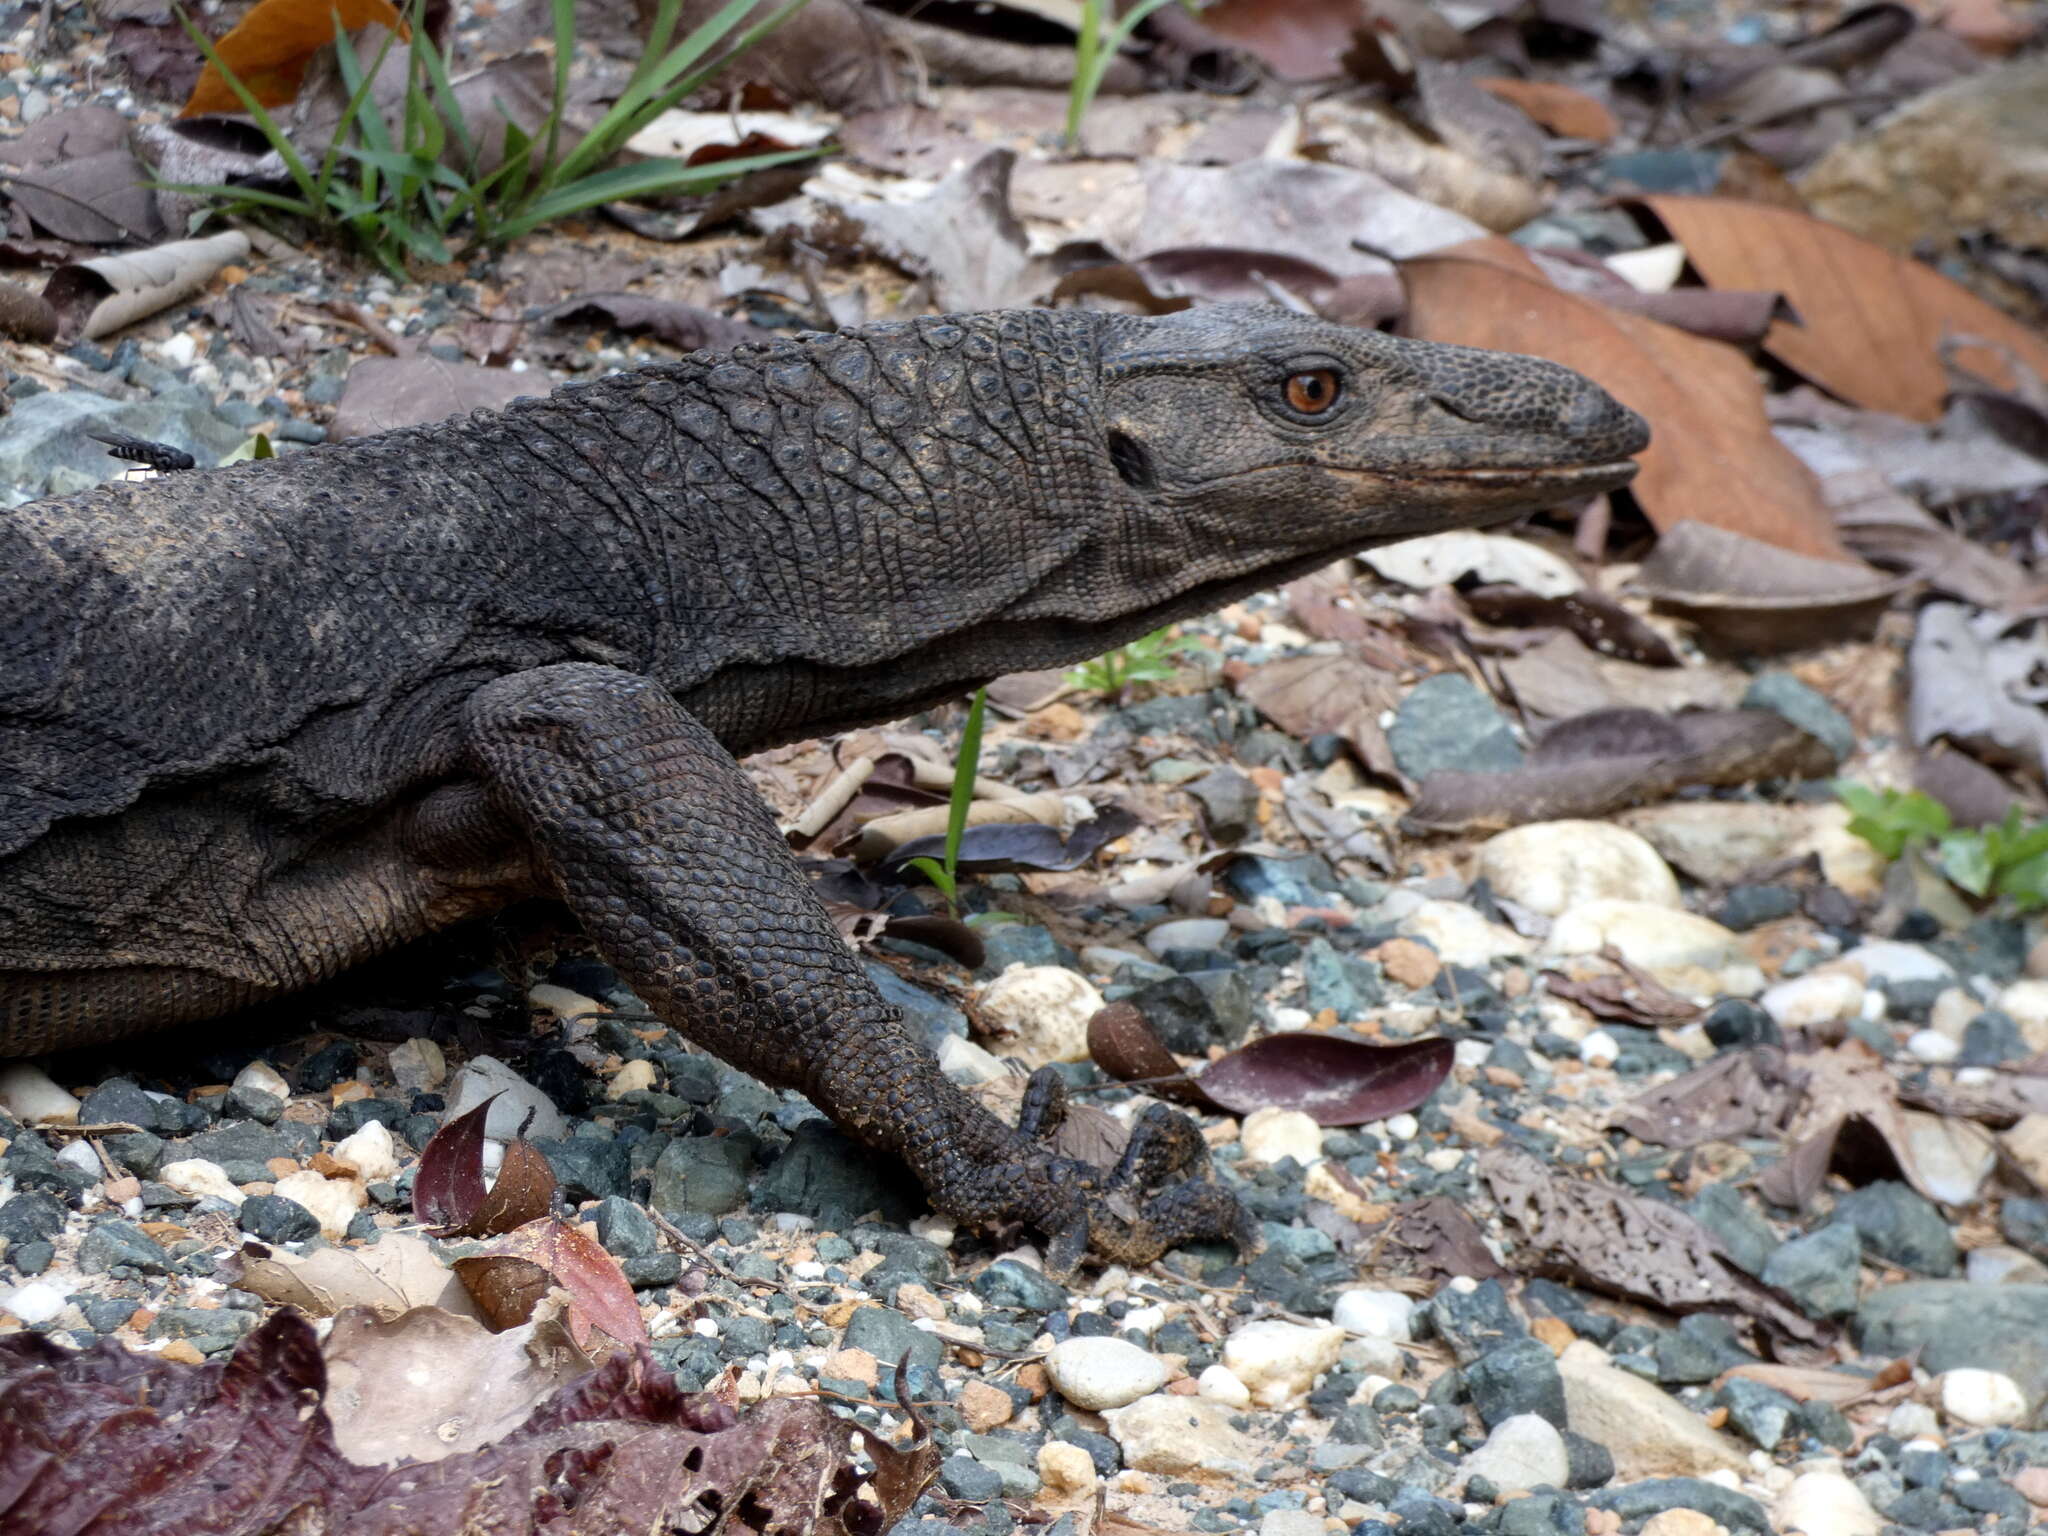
(259, 724)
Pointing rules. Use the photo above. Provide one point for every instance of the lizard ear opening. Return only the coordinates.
(1132, 462)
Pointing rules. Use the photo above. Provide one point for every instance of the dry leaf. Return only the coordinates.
(509, 1278)
(1712, 458)
(1871, 324)
(391, 1276)
(1333, 1080)
(1749, 597)
(1564, 110)
(98, 297)
(270, 47)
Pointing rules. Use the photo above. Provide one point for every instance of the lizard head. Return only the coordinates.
(1250, 441)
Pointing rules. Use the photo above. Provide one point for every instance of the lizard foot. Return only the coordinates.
(1155, 1198)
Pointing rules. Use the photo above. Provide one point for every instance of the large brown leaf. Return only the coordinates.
(1712, 458)
(1871, 324)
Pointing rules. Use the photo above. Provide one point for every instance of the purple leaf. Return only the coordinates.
(1333, 1080)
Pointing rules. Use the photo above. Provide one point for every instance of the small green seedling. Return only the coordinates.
(2008, 861)
(1094, 50)
(945, 873)
(1147, 660)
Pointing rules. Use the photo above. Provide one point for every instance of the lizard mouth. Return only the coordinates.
(1525, 483)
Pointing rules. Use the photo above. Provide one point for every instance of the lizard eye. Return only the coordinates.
(1312, 393)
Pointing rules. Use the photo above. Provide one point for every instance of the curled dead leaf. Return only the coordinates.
(1333, 1080)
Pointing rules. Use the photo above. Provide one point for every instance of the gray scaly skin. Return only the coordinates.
(259, 724)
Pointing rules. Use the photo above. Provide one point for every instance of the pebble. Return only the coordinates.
(1460, 936)
(1599, 1049)
(984, 1406)
(1523, 1452)
(30, 1094)
(1270, 1134)
(199, 1177)
(1551, 866)
(1648, 1432)
(1821, 1501)
(1685, 952)
(1278, 1360)
(1188, 933)
(1375, 1315)
(483, 1076)
(34, 1303)
(1817, 998)
(1888, 960)
(2026, 1003)
(1170, 1433)
(263, 1078)
(1041, 1012)
(1290, 1522)
(1685, 1522)
(1983, 1399)
(370, 1151)
(2026, 1142)
(1067, 1471)
(1933, 1047)
(1099, 1372)
(636, 1076)
(418, 1065)
(333, 1202)
(1220, 1384)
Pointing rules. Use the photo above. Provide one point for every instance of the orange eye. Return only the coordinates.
(1311, 394)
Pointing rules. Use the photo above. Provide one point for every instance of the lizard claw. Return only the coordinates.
(1155, 1198)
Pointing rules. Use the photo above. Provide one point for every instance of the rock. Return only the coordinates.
(1813, 1000)
(1270, 1134)
(1684, 1522)
(370, 1151)
(1103, 1372)
(29, 1093)
(1982, 1399)
(1521, 1453)
(1219, 1384)
(199, 1177)
(418, 1065)
(965, 1063)
(1900, 1226)
(277, 1219)
(1686, 953)
(1847, 862)
(1338, 982)
(1007, 1283)
(1821, 1501)
(1230, 804)
(967, 1479)
(835, 1181)
(2026, 1004)
(1818, 1271)
(1790, 699)
(1168, 1433)
(2026, 1142)
(1717, 842)
(1460, 936)
(1735, 1022)
(111, 1243)
(333, 1202)
(636, 1076)
(1408, 962)
(1279, 1360)
(1893, 963)
(1447, 725)
(887, 1334)
(35, 1303)
(1290, 1522)
(1041, 1012)
(1955, 1325)
(703, 1174)
(1369, 1314)
(1067, 1471)
(1644, 1501)
(483, 1076)
(928, 1018)
(1517, 1379)
(1551, 866)
(1648, 1432)
(48, 445)
(1953, 1156)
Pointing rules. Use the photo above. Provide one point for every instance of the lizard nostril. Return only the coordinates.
(1596, 418)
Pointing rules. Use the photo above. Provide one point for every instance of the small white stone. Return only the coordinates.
(1599, 1049)
(1403, 1127)
(31, 1095)
(569, 1006)
(1280, 1360)
(1188, 933)
(1443, 1159)
(1909, 1420)
(1523, 1452)
(1821, 1501)
(937, 1230)
(1269, 1134)
(483, 1076)
(36, 1302)
(1219, 1384)
(1551, 866)
(1459, 935)
(1685, 952)
(1166, 1433)
(198, 1177)
(1952, 1011)
(370, 1151)
(2027, 1004)
(705, 1327)
(1141, 1319)
(179, 350)
(1041, 1012)
(1376, 1315)
(418, 1065)
(807, 1269)
(333, 1202)
(1098, 1372)
(1985, 1399)
(80, 1155)
(1290, 1522)
(636, 1076)
(1895, 961)
(1067, 1471)
(264, 1078)
(966, 1063)
(1817, 998)
(1932, 1047)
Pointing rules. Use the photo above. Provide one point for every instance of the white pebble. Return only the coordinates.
(1523, 1452)
(483, 1076)
(705, 1327)
(29, 1094)
(36, 1302)
(1269, 1134)
(1280, 1360)
(199, 1177)
(1820, 1501)
(333, 1202)
(1099, 1372)
(1935, 1049)
(1041, 1012)
(1376, 1315)
(1817, 998)
(807, 1269)
(264, 1078)
(1986, 1399)
(1403, 1127)
(1599, 1049)
(1188, 933)
(178, 351)
(1909, 1420)
(1219, 1384)
(370, 1151)
(80, 1155)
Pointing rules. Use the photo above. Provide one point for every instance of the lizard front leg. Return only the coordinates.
(653, 836)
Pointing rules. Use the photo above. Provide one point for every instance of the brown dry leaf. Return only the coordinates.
(1807, 1383)
(1871, 324)
(270, 47)
(1564, 110)
(1846, 1088)
(75, 175)
(510, 1277)
(681, 325)
(1976, 682)
(1309, 695)
(98, 297)
(393, 1275)
(1626, 993)
(1089, 1134)
(1300, 40)
(1596, 618)
(1747, 596)
(1712, 458)
(1124, 1044)
(1738, 1093)
(1333, 1080)
(1599, 1235)
(1433, 1239)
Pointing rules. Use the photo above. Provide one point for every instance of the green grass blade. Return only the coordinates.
(649, 178)
(964, 771)
(265, 123)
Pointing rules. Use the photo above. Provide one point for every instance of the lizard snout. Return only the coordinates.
(1601, 424)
